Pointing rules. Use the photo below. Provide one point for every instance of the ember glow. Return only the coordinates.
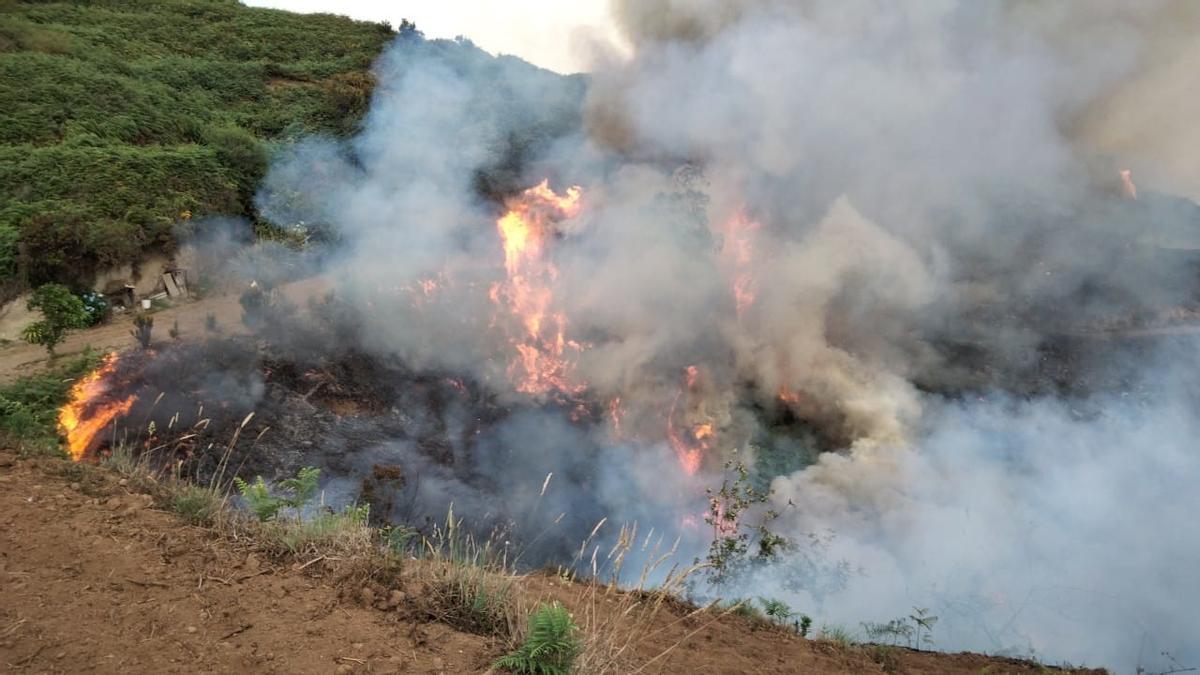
(84, 416)
(540, 364)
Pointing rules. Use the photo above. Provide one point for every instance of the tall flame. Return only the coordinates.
(690, 441)
(82, 418)
(738, 253)
(539, 365)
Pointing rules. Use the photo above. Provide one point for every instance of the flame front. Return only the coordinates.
(690, 441)
(539, 365)
(738, 255)
(82, 417)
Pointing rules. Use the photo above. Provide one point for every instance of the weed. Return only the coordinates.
(123, 460)
(143, 328)
(922, 620)
(886, 657)
(342, 532)
(195, 504)
(473, 600)
(838, 635)
(782, 614)
(890, 633)
(551, 644)
(296, 492)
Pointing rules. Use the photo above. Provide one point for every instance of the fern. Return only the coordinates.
(258, 498)
(303, 487)
(298, 491)
(550, 647)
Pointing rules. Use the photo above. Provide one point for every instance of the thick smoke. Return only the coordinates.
(873, 220)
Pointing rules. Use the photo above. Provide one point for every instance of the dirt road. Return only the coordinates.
(20, 358)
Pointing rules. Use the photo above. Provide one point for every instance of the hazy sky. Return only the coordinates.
(553, 34)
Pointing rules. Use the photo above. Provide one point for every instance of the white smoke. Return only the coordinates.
(917, 174)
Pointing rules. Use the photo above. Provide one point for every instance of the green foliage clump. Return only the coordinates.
(29, 406)
(121, 119)
(738, 545)
(61, 310)
(196, 504)
(292, 493)
(550, 647)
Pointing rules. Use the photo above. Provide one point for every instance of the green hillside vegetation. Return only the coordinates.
(121, 118)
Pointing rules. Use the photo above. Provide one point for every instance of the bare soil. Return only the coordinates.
(95, 578)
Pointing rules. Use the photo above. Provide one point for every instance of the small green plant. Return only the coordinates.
(296, 493)
(143, 328)
(838, 635)
(195, 504)
(913, 630)
(258, 498)
(923, 621)
(779, 612)
(737, 545)
(891, 633)
(61, 310)
(776, 609)
(550, 647)
(344, 531)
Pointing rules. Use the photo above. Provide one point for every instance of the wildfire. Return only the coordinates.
(738, 253)
(689, 441)
(82, 418)
(539, 365)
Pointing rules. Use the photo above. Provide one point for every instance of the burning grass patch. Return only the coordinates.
(29, 407)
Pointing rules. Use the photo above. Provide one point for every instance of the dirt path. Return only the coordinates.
(19, 358)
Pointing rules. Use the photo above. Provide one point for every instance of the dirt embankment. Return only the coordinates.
(94, 578)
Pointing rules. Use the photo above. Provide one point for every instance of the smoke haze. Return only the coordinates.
(823, 206)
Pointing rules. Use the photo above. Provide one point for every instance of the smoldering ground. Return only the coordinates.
(923, 200)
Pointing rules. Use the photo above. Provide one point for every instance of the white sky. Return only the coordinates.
(553, 34)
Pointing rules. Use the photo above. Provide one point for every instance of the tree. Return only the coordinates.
(61, 310)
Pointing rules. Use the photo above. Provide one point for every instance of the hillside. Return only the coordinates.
(120, 119)
(100, 576)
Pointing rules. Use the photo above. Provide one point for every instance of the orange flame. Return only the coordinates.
(738, 253)
(80, 431)
(539, 365)
(693, 441)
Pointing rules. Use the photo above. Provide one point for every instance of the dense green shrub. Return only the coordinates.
(119, 118)
(61, 311)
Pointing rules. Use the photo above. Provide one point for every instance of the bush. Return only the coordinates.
(117, 117)
(550, 647)
(61, 311)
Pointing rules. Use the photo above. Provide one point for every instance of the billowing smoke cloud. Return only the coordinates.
(878, 231)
